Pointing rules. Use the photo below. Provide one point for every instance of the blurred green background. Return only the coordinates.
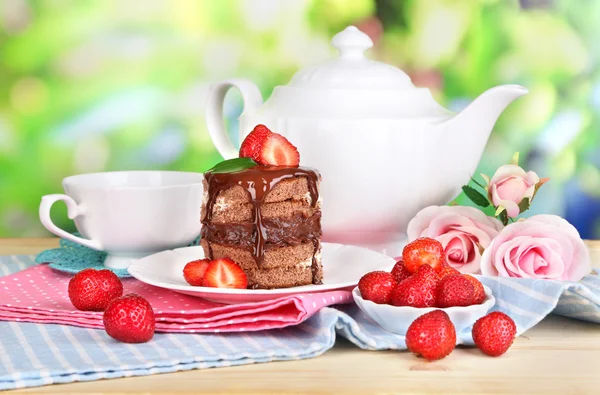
(90, 86)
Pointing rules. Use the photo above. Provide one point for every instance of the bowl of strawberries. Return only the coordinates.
(419, 283)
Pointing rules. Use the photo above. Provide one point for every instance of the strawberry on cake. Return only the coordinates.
(262, 211)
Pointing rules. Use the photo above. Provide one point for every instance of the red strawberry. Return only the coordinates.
(93, 290)
(276, 150)
(377, 286)
(418, 290)
(494, 333)
(455, 290)
(479, 295)
(423, 251)
(447, 270)
(399, 272)
(224, 273)
(431, 336)
(251, 144)
(129, 319)
(193, 272)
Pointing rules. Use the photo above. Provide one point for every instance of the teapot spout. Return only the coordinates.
(484, 111)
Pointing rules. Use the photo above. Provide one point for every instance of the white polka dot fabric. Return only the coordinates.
(39, 294)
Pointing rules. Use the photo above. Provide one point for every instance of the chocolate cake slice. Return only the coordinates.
(268, 220)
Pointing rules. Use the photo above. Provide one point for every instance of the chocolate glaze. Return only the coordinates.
(258, 181)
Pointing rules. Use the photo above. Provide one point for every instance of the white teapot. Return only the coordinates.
(385, 148)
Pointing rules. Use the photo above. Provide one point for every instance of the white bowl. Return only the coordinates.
(397, 319)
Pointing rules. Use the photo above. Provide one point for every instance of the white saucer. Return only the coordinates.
(343, 266)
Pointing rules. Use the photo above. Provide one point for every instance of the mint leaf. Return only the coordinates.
(475, 196)
(232, 165)
(524, 205)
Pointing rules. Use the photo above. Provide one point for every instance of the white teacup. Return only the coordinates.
(130, 214)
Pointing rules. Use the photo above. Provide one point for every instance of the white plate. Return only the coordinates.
(343, 266)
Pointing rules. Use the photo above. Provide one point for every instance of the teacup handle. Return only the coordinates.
(73, 210)
(214, 112)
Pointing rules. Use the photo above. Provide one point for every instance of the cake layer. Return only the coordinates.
(243, 212)
(281, 266)
(287, 198)
(278, 231)
(295, 188)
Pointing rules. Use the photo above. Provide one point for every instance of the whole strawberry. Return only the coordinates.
(419, 290)
(93, 290)
(129, 319)
(431, 336)
(377, 286)
(455, 290)
(423, 251)
(399, 272)
(479, 295)
(494, 333)
(447, 270)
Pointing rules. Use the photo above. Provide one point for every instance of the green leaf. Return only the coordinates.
(477, 183)
(499, 211)
(232, 165)
(486, 178)
(503, 217)
(524, 205)
(515, 159)
(475, 196)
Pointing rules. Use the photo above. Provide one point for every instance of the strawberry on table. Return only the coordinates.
(494, 333)
(224, 273)
(193, 272)
(423, 251)
(419, 290)
(399, 272)
(377, 286)
(431, 336)
(479, 295)
(251, 144)
(93, 290)
(455, 290)
(129, 319)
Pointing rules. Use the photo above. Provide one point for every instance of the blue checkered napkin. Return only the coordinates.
(35, 354)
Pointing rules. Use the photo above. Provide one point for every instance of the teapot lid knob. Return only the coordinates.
(351, 43)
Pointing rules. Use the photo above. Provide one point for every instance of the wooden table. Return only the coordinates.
(558, 356)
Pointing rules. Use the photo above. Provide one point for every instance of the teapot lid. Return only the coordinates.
(351, 70)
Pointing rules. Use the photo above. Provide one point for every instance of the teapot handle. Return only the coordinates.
(214, 112)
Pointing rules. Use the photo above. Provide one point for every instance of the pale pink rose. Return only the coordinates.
(509, 186)
(541, 247)
(460, 230)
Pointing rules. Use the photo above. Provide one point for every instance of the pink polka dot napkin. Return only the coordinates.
(39, 294)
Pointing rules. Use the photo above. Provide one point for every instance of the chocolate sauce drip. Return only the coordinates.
(258, 181)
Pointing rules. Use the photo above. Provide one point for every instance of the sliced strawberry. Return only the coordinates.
(193, 272)
(224, 273)
(252, 142)
(276, 150)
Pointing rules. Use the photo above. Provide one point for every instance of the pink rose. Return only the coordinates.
(542, 247)
(461, 230)
(509, 186)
